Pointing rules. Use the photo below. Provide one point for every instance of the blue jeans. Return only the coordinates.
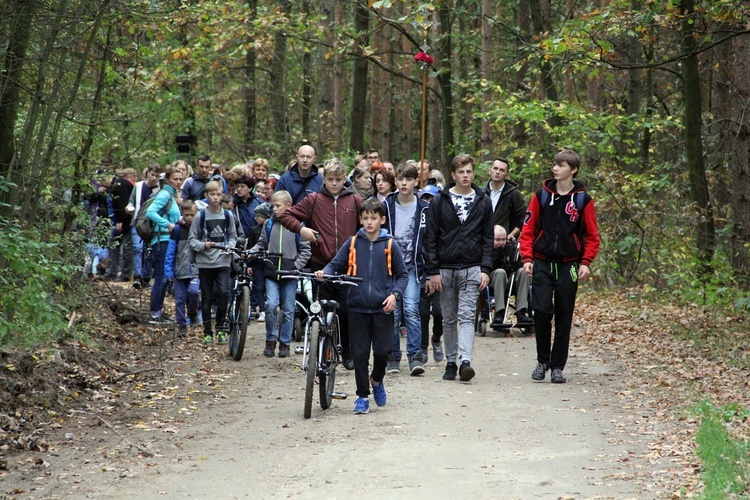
(183, 300)
(137, 251)
(410, 305)
(280, 292)
(159, 290)
(459, 302)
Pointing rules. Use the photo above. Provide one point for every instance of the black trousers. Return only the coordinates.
(425, 303)
(553, 294)
(339, 294)
(370, 330)
(215, 284)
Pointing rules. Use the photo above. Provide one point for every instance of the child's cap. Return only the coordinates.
(429, 189)
(264, 210)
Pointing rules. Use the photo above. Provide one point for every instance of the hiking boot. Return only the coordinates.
(394, 366)
(466, 372)
(182, 331)
(261, 317)
(451, 369)
(557, 376)
(540, 371)
(270, 348)
(416, 367)
(208, 339)
(522, 319)
(378, 391)
(361, 406)
(283, 350)
(437, 350)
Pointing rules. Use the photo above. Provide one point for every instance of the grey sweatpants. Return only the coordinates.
(458, 302)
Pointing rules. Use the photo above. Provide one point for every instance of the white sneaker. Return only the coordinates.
(262, 317)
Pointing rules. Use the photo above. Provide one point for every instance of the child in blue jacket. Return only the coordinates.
(378, 261)
(177, 266)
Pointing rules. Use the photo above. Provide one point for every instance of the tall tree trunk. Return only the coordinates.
(540, 18)
(306, 84)
(691, 89)
(486, 144)
(21, 13)
(380, 95)
(278, 81)
(251, 106)
(444, 77)
(359, 87)
(740, 163)
(338, 87)
(523, 18)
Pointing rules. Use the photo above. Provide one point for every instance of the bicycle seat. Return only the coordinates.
(329, 303)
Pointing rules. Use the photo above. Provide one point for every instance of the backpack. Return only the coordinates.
(202, 222)
(352, 270)
(145, 226)
(577, 199)
(269, 224)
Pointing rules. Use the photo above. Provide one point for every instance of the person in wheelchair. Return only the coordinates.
(506, 263)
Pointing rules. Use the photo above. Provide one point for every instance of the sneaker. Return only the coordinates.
(161, 319)
(416, 367)
(221, 337)
(283, 350)
(208, 339)
(361, 406)
(437, 350)
(394, 366)
(425, 358)
(137, 285)
(466, 372)
(451, 369)
(195, 319)
(378, 391)
(262, 317)
(270, 348)
(540, 371)
(558, 377)
(182, 331)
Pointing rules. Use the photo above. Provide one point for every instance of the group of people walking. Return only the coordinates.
(419, 251)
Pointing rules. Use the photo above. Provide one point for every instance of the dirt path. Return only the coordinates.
(242, 435)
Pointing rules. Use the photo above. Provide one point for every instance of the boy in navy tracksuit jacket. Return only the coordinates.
(177, 266)
(378, 261)
(560, 238)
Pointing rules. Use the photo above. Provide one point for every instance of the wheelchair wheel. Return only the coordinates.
(481, 328)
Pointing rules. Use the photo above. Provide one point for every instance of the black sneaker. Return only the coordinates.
(137, 283)
(416, 367)
(466, 372)
(557, 376)
(540, 371)
(522, 319)
(451, 369)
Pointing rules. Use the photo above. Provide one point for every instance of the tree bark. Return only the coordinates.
(444, 77)
(251, 106)
(278, 81)
(540, 19)
(705, 238)
(486, 144)
(359, 87)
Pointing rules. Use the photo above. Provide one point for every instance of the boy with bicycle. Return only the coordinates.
(372, 255)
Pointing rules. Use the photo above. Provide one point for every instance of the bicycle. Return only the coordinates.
(239, 307)
(323, 325)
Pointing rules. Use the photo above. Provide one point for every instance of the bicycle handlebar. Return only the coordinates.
(341, 278)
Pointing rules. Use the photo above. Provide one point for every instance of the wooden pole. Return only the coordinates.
(424, 128)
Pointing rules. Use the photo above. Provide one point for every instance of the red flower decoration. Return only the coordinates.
(424, 58)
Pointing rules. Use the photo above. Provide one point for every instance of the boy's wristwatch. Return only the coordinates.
(397, 295)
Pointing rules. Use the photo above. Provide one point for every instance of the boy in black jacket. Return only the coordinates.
(458, 258)
(379, 262)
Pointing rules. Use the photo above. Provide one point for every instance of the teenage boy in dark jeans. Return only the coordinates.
(327, 219)
(560, 238)
(378, 261)
(458, 258)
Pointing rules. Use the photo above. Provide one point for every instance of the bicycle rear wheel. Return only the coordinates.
(312, 365)
(328, 364)
(238, 332)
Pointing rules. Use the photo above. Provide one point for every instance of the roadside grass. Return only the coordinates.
(726, 461)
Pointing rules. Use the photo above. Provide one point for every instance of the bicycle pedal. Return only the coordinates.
(338, 395)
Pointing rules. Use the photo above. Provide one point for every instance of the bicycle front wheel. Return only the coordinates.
(313, 336)
(238, 332)
(329, 361)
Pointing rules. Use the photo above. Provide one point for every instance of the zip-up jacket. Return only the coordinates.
(336, 220)
(177, 262)
(193, 188)
(449, 244)
(510, 209)
(280, 240)
(372, 266)
(292, 182)
(560, 231)
(245, 211)
(161, 223)
(420, 224)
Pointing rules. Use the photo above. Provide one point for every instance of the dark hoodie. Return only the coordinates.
(372, 266)
(560, 231)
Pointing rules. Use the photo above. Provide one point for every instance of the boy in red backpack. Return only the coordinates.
(560, 238)
(373, 256)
